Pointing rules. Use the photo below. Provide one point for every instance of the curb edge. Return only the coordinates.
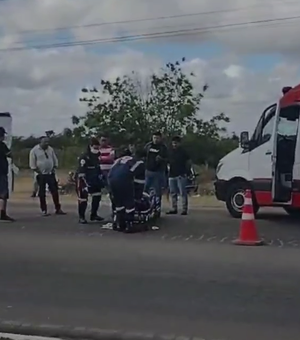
(69, 332)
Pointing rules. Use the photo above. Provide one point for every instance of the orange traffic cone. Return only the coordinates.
(248, 233)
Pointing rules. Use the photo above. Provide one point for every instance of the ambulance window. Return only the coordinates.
(287, 127)
(264, 127)
(268, 128)
(288, 121)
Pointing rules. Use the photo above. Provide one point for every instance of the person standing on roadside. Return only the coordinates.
(5, 153)
(156, 160)
(179, 170)
(89, 181)
(43, 161)
(107, 157)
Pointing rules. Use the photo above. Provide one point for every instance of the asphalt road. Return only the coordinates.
(170, 281)
(201, 225)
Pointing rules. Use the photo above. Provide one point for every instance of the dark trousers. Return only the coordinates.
(83, 191)
(42, 181)
(4, 190)
(122, 193)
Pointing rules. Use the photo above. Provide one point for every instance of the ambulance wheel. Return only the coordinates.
(292, 211)
(235, 199)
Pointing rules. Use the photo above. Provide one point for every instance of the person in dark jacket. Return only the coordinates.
(179, 170)
(126, 182)
(5, 153)
(156, 154)
(89, 181)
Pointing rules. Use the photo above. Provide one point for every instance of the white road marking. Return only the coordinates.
(223, 239)
(25, 337)
(200, 238)
(294, 243)
(188, 238)
(211, 238)
(280, 242)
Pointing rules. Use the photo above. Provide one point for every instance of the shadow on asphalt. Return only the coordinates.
(278, 218)
(274, 225)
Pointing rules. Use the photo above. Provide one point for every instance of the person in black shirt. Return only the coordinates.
(156, 154)
(179, 169)
(4, 168)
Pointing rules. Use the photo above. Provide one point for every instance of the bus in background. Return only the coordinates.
(6, 123)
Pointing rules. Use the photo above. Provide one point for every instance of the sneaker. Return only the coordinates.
(60, 212)
(96, 218)
(184, 213)
(172, 212)
(82, 221)
(45, 214)
(6, 218)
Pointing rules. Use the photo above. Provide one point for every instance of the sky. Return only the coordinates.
(245, 50)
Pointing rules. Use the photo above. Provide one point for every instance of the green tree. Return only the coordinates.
(129, 108)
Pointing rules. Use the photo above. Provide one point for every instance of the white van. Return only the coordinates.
(6, 123)
(268, 162)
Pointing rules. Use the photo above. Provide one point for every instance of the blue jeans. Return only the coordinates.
(177, 186)
(155, 181)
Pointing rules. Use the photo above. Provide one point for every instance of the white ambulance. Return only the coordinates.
(6, 123)
(268, 162)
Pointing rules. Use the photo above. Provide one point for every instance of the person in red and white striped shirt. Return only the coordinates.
(107, 155)
(107, 158)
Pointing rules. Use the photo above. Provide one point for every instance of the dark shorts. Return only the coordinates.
(4, 190)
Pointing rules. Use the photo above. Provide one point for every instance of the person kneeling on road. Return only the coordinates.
(89, 180)
(126, 180)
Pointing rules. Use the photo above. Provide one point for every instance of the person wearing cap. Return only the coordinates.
(89, 181)
(43, 161)
(5, 153)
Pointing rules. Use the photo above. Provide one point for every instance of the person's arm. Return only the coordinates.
(188, 163)
(146, 149)
(138, 170)
(8, 153)
(55, 159)
(163, 154)
(82, 166)
(32, 161)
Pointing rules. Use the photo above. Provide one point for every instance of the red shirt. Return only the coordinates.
(107, 158)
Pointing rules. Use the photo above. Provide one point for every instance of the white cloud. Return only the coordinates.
(17, 16)
(41, 87)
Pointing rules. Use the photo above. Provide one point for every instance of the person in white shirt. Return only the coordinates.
(43, 161)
